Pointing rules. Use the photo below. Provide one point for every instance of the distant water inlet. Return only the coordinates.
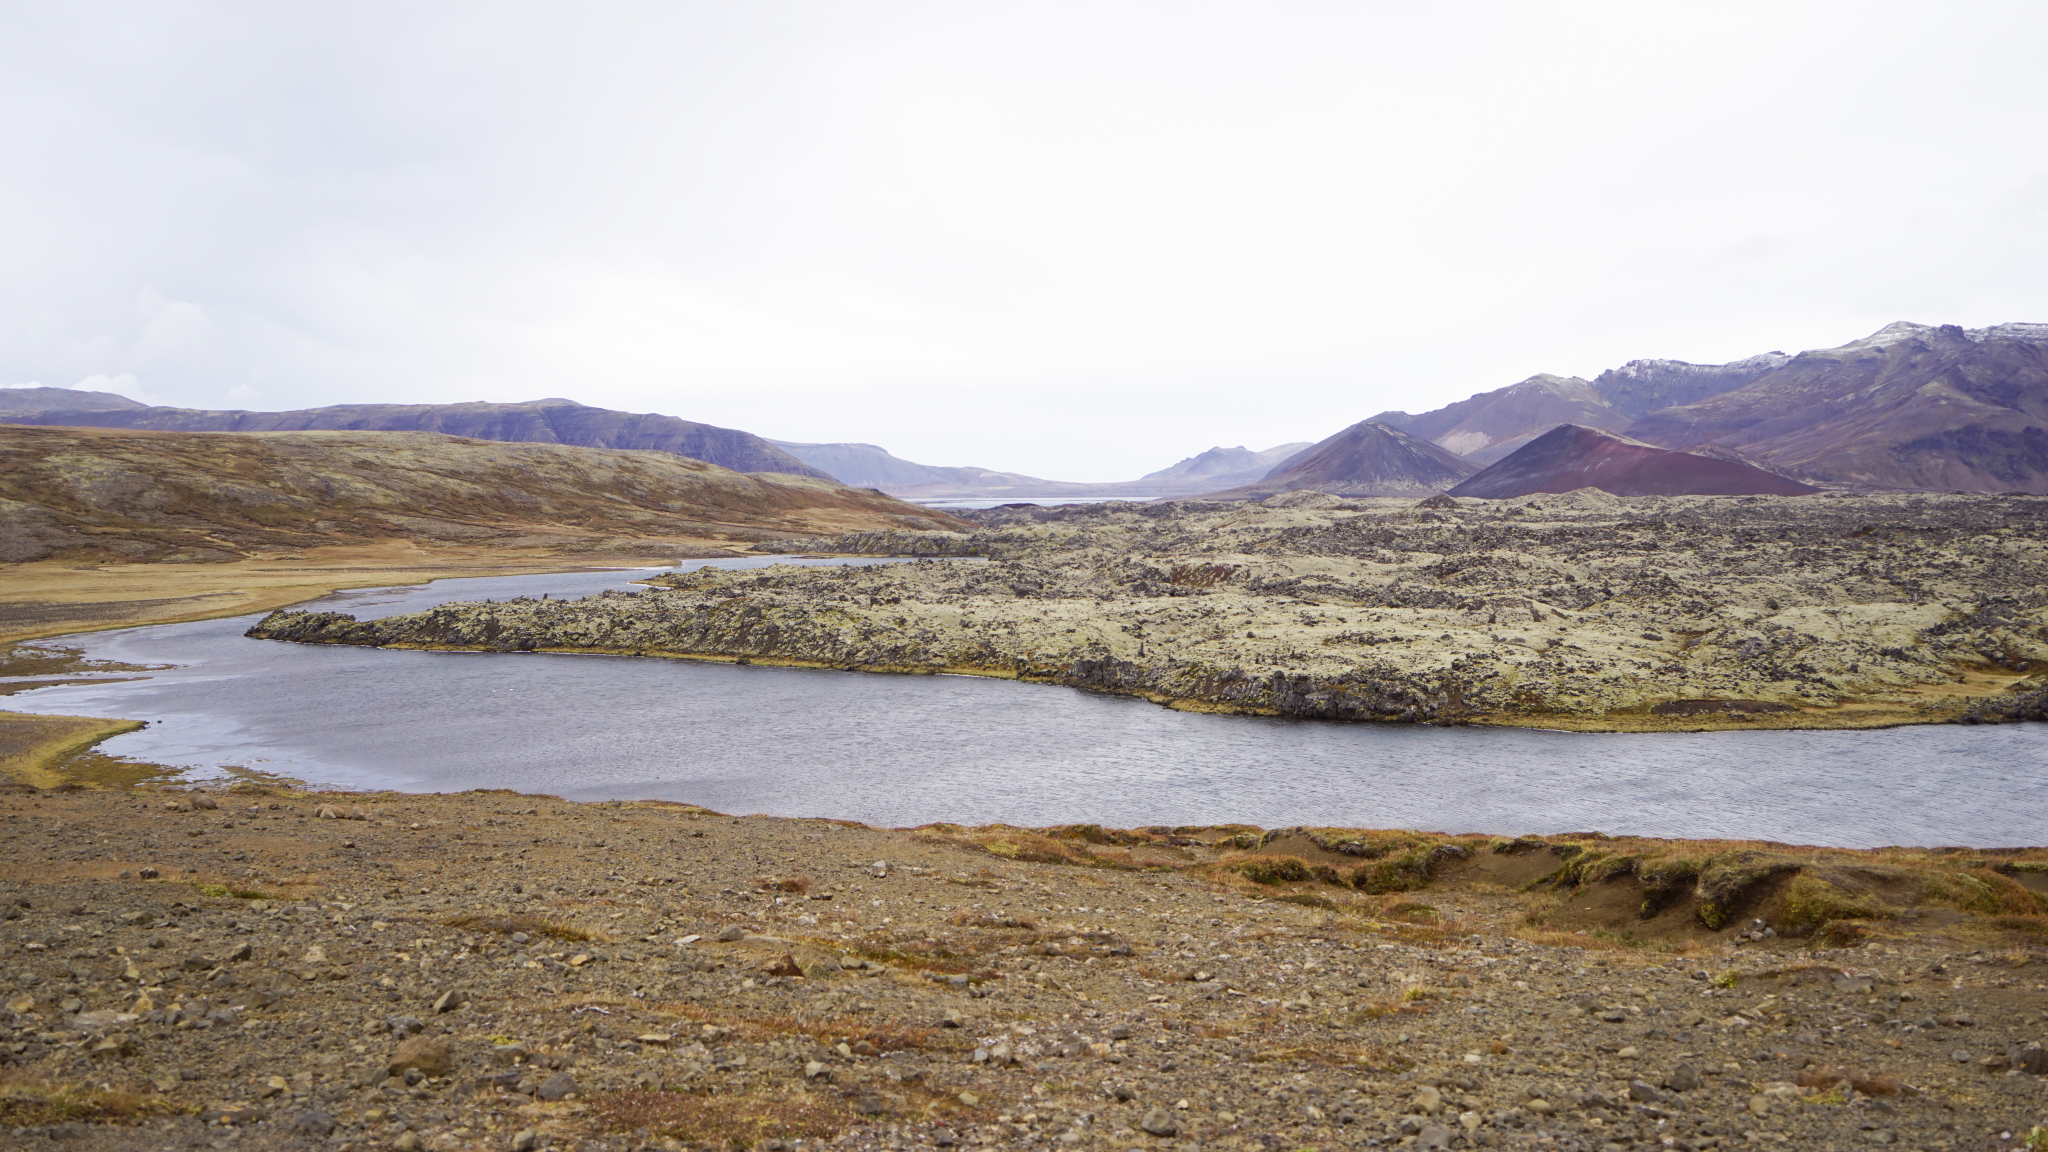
(904, 750)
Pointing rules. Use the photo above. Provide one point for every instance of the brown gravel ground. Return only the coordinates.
(498, 971)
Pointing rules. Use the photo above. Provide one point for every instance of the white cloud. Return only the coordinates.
(1081, 240)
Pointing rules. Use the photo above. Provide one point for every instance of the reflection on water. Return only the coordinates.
(900, 750)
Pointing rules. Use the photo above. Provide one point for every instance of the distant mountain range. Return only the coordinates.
(550, 421)
(1912, 406)
(870, 466)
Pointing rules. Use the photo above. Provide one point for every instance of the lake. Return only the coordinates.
(905, 750)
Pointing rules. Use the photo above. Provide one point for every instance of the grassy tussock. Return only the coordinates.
(1408, 869)
(506, 925)
(223, 892)
(1983, 891)
(1034, 847)
(920, 956)
(1811, 902)
(31, 1103)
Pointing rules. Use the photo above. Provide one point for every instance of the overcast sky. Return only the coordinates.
(1077, 240)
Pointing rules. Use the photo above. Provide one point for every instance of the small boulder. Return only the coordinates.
(1160, 1122)
(314, 1123)
(557, 1087)
(431, 1055)
(731, 933)
(1684, 1078)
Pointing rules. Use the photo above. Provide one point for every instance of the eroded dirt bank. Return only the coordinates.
(1584, 610)
(256, 967)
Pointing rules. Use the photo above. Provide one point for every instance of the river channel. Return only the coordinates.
(905, 750)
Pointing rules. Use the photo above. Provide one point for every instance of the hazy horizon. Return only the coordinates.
(1080, 242)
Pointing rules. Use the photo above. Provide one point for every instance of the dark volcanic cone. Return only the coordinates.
(1569, 457)
(1366, 459)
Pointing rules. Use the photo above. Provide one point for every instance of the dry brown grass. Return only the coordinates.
(1031, 846)
(27, 1102)
(920, 955)
(532, 926)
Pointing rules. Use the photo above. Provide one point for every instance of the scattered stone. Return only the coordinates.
(556, 1087)
(429, 1055)
(1160, 1122)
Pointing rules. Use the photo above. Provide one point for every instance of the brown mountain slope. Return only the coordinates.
(98, 494)
(1911, 406)
(1366, 459)
(1569, 457)
(550, 421)
(1486, 427)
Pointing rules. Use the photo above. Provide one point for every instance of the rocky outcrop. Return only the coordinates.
(2011, 709)
(1584, 609)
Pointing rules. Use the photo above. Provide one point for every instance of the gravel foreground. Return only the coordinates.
(260, 968)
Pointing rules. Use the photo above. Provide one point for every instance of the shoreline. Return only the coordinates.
(1801, 720)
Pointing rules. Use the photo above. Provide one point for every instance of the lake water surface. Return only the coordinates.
(903, 750)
